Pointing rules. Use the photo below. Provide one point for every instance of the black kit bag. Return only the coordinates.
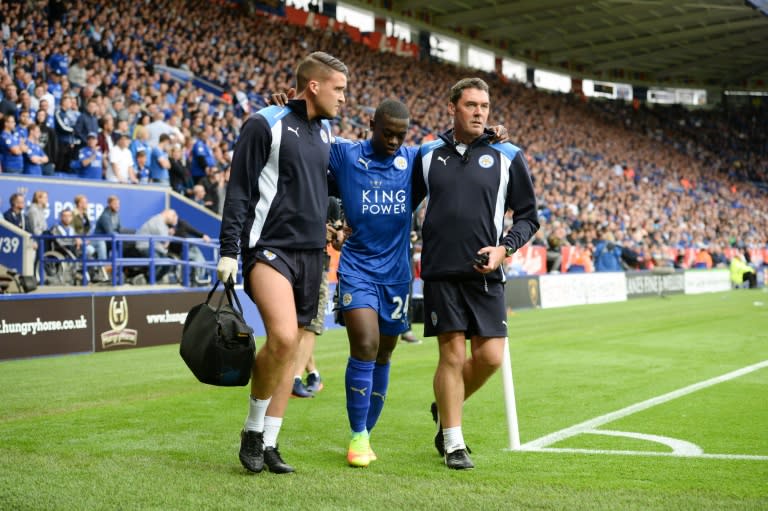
(217, 344)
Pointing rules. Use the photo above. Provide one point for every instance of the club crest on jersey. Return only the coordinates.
(269, 255)
(346, 299)
(433, 317)
(401, 163)
(324, 136)
(485, 161)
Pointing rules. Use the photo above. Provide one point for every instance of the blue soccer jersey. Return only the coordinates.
(376, 196)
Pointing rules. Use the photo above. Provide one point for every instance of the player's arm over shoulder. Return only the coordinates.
(342, 150)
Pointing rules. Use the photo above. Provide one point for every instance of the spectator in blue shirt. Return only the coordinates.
(140, 142)
(159, 161)
(34, 157)
(22, 125)
(12, 148)
(142, 169)
(201, 161)
(607, 254)
(90, 158)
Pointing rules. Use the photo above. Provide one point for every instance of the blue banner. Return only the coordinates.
(137, 202)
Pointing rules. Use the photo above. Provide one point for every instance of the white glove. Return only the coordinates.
(227, 268)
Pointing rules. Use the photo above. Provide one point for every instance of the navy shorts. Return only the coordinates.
(303, 269)
(390, 301)
(465, 306)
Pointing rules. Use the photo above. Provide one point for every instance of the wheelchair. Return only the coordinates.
(60, 265)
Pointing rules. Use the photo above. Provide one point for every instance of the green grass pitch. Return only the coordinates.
(133, 429)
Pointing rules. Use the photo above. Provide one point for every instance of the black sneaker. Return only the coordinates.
(458, 460)
(275, 462)
(439, 441)
(252, 450)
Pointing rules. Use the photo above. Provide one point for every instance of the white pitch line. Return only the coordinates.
(652, 453)
(558, 436)
(679, 447)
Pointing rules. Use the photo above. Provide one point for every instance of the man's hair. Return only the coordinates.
(317, 65)
(14, 196)
(164, 137)
(391, 108)
(467, 83)
(112, 198)
(79, 198)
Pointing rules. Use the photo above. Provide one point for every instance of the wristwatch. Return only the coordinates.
(509, 250)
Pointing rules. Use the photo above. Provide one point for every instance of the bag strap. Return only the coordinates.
(210, 294)
(221, 298)
(229, 291)
(229, 288)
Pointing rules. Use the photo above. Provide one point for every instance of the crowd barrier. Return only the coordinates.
(49, 256)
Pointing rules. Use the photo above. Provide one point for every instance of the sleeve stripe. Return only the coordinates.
(501, 196)
(267, 186)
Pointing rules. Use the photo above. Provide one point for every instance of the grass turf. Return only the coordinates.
(133, 430)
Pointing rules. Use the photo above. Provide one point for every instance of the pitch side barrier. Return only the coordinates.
(567, 289)
(40, 324)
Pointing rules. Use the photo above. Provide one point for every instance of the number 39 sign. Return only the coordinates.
(11, 253)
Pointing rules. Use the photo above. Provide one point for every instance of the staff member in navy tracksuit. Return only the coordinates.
(274, 216)
(470, 184)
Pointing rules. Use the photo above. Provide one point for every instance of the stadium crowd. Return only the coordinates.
(87, 91)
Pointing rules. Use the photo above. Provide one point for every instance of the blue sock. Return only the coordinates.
(358, 382)
(378, 393)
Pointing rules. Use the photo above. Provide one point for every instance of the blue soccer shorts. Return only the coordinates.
(390, 301)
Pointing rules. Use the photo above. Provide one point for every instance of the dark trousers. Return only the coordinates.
(751, 277)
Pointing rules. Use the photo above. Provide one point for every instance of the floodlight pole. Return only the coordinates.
(509, 398)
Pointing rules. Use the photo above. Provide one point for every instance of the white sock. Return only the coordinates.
(271, 430)
(315, 372)
(257, 409)
(453, 439)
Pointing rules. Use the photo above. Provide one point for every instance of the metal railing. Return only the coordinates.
(123, 254)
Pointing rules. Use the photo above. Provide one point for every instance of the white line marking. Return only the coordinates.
(679, 447)
(651, 453)
(558, 436)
